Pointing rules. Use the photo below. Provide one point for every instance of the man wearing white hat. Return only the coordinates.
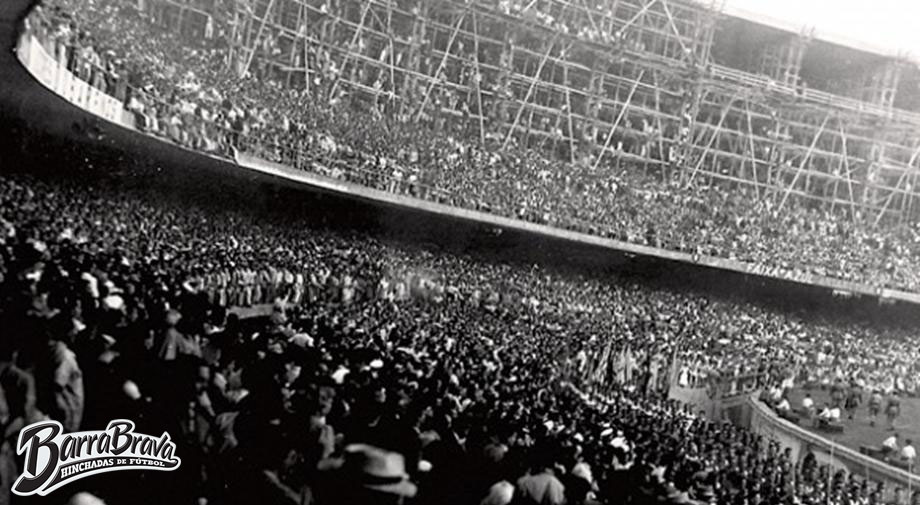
(368, 475)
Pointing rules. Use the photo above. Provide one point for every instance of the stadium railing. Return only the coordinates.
(766, 422)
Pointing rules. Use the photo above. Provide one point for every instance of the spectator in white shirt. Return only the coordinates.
(890, 444)
(908, 453)
(808, 405)
(784, 405)
(830, 414)
(776, 393)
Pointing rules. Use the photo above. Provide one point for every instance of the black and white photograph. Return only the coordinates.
(459, 252)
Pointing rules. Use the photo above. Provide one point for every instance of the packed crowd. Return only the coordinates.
(189, 91)
(386, 373)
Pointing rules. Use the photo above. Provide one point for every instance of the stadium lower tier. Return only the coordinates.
(436, 359)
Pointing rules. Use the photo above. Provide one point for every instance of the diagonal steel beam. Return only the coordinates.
(750, 130)
(846, 170)
(437, 72)
(673, 24)
(482, 127)
(533, 85)
(798, 172)
(893, 191)
(619, 118)
(638, 15)
(351, 48)
(255, 45)
(715, 134)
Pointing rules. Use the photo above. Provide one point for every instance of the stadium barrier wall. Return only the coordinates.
(53, 75)
(278, 169)
(765, 422)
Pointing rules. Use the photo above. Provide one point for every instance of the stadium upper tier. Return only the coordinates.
(615, 121)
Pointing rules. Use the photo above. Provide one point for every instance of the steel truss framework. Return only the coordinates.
(633, 79)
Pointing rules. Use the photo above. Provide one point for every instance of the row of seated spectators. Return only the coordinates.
(891, 452)
(187, 91)
(453, 379)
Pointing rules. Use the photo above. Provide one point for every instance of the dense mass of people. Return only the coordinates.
(386, 372)
(389, 372)
(190, 92)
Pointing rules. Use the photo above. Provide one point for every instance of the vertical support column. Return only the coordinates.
(689, 110)
(234, 37)
(845, 171)
(254, 46)
(900, 186)
(478, 81)
(659, 127)
(870, 193)
(304, 30)
(881, 83)
(501, 88)
(568, 112)
(410, 92)
(353, 47)
(301, 35)
(780, 137)
(782, 61)
(437, 73)
(804, 161)
(705, 35)
(752, 151)
(391, 53)
(530, 89)
(620, 116)
(179, 18)
(716, 134)
(593, 105)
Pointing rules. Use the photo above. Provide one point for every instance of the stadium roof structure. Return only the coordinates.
(830, 37)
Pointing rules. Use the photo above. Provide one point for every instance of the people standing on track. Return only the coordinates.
(909, 453)
(875, 406)
(893, 410)
(837, 394)
(853, 401)
(808, 405)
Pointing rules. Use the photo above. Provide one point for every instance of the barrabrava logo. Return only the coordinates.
(54, 458)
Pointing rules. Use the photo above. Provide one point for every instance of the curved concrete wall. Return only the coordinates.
(46, 69)
(765, 422)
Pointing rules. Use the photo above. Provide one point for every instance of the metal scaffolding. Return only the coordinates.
(593, 81)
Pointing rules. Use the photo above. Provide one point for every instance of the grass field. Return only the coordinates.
(858, 432)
